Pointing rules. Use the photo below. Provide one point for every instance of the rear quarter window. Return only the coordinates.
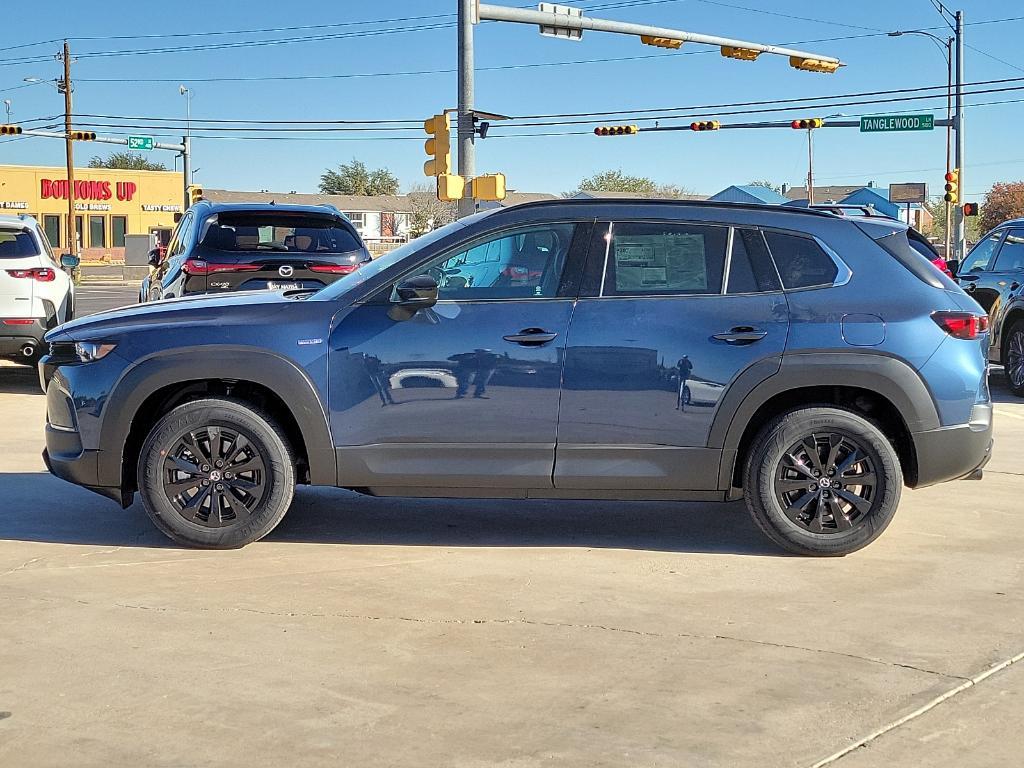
(898, 246)
(801, 261)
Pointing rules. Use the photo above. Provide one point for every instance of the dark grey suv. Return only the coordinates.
(809, 363)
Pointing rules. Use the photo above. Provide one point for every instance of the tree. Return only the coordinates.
(126, 161)
(428, 213)
(355, 178)
(937, 208)
(617, 181)
(1004, 201)
(767, 184)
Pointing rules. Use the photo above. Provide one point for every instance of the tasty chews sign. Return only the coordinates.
(88, 190)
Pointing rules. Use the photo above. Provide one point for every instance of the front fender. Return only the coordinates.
(199, 363)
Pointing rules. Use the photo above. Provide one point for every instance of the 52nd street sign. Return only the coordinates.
(885, 123)
(146, 142)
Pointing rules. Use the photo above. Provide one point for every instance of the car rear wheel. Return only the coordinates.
(1013, 358)
(216, 474)
(822, 481)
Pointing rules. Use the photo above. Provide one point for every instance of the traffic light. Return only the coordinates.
(195, 194)
(705, 125)
(970, 209)
(10, 130)
(952, 186)
(743, 54)
(439, 145)
(489, 187)
(661, 42)
(83, 136)
(616, 130)
(807, 123)
(450, 187)
(814, 65)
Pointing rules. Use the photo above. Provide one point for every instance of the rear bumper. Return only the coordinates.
(14, 337)
(952, 453)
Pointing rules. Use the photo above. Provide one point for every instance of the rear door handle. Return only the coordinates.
(741, 334)
(530, 337)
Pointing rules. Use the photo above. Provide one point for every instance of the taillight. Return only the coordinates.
(334, 269)
(203, 267)
(42, 274)
(961, 325)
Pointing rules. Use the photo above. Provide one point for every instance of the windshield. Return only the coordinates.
(348, 282)
(269, 231)
(17, 244)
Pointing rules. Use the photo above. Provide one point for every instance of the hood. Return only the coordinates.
(207, 308)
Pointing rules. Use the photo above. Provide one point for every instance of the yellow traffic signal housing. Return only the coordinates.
(814, 65)
(743, 54)
(952, 186)
(705, 125)
(617, 130)
(661, 42)
(195, 194)
(450, 187)
(807, 123)
(10, 130)
(83, 136)
(489, 187)
(438, 146)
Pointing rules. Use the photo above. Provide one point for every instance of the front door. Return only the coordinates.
(464, 394)
(670, 314)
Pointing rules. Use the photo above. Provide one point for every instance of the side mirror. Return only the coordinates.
(411, 295)
(154, 258)
(69, 261)
(953, 265)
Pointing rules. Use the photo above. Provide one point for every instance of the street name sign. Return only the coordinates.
(140, 142)
(887, 123)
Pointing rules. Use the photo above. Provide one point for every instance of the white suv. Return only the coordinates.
(36, 294)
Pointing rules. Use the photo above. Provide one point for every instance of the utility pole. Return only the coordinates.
(186, 168)
(961, 230)
(65, 86)
(949, 142)
(810, 166)
(466, 128)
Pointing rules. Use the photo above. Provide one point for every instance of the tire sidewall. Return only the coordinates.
(1016, 328)
(788, 430)
(256, 428)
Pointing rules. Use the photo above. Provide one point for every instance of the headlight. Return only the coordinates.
(88, 351)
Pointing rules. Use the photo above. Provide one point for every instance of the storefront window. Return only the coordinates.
(118, 228)
(51, 225)
(97, 232)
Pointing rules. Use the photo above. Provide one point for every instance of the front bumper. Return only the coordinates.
(952, 453)
(80, 469)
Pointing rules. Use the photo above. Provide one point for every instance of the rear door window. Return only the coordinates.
(664, 259)
(801, 261)
(750, 265)
(980, 257)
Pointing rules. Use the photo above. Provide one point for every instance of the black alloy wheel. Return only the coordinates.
(1013, 359)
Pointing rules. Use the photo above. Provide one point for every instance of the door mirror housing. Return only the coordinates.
(154, 258)
(69, 261)
(411, 295)
(953, 265)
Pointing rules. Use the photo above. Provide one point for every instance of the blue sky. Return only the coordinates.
(648, 78)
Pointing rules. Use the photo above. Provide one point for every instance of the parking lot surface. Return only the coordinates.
(475, 633)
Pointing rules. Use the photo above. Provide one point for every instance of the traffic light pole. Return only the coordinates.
(186, 168)
(961, 229)
(810, 166)
(465, 126)
(69, 144)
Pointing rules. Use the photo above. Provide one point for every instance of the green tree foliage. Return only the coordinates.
(937, 208)
(126, 161)
(617, 181)
(355, 178)
(1004, 201)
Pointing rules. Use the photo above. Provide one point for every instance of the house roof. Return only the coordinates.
(595, 194)
(344, 203)
(756, 191)
(822, 194)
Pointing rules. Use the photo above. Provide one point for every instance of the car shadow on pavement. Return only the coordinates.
(41, 508)
(19, 380)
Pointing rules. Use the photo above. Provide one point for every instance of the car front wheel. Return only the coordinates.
(1013, 358)
(822, 481)
(216, 473)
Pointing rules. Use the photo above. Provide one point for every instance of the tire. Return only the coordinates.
(198, 503)
(826, 521)
(1013, 358)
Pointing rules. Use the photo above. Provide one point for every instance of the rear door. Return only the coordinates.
(19, 253)
(975, 274)
(670, 314)
(1005, 280)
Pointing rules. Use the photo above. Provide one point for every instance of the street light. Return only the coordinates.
(7, 106)
(187, 93)
(946, 44)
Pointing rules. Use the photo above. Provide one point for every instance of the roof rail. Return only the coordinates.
(607, 201)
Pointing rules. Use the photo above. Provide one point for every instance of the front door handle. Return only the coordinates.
(970, 287)
(531, 337)
(741, 334)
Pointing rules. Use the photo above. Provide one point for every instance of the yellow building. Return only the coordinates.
(109, 204)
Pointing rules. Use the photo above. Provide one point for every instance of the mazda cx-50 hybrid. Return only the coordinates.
(809, 363)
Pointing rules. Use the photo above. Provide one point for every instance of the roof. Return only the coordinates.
(822, 194)
(268, 207)
(17, 219)
(344, 203)
(518, 198)
(756, 191)
(600, 194)
(577, 202)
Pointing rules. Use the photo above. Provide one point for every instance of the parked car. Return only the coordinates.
(993, 274)
(809, 363)
(36, 294)
(243, 247)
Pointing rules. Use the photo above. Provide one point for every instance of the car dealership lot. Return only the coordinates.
(471, 633)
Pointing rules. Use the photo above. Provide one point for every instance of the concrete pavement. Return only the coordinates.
(476, 633)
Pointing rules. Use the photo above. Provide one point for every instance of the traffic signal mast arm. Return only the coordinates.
(806, 60)
(97, 139)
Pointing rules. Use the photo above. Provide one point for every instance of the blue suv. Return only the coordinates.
(808, 363)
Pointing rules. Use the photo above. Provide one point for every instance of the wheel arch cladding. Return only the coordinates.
(885, 389)
(158, 383)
